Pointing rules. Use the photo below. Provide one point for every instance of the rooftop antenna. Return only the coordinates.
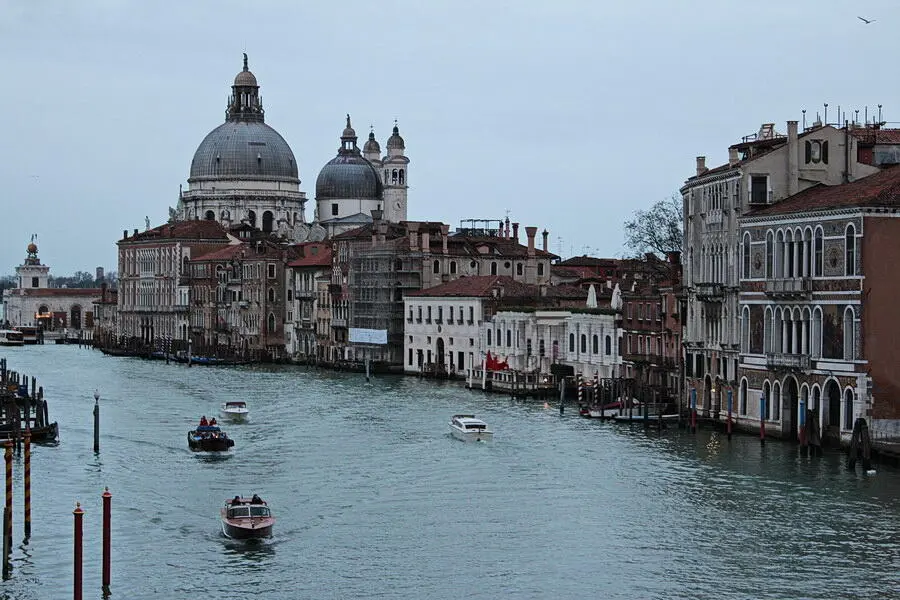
(866, 114)
(879, 113)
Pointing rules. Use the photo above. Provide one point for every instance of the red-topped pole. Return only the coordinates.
(77, 550)
(107, 518)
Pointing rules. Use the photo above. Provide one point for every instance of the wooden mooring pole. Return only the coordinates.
(107, 519)
(96, 422)
(76, 552)
(8, 521)
(27, 483)
(762, 419)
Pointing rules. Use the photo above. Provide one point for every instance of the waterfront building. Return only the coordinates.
(106, 315)
(245, 172)
(34, 303)
(353, 184)
(444, 322)
(587, 339)
(819, 283)
(376, 265)
(154, 277)
(238, 297)
(308, 301)
(651, 326)
(763, 169)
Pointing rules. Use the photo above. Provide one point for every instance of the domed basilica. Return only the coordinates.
(244, 172)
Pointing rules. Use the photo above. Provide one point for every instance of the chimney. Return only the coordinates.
(377, 215)
(135, 231)
(103, 292)
(701, 165)
(792, 151)
(445, 231)
(413, 229)
(545, 233)
(124, 234)
(733, 157)
(516, 232)
(506, 235)
(426, 242)
(530, 232)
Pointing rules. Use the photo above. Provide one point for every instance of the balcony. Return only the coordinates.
(710, 292)
(796, 287)
(338, 322)
(714, 217)
(791, 362)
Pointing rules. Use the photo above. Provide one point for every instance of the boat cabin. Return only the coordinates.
(469, 422)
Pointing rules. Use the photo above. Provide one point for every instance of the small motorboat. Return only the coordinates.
(470, 429)
(209, 438)
(247, 518)
(235, 410)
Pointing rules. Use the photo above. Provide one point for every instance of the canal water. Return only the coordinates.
(374, 499)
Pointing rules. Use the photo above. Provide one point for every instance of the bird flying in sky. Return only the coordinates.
(866, 21)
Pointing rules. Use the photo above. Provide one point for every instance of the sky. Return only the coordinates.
(566, 115)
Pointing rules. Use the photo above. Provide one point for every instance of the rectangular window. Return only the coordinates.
(271, 267)
(460, 360)
(290, 295)
(34, 282)
(759, 189)
(334, 209)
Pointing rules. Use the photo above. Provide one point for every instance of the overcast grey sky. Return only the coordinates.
(569, 114)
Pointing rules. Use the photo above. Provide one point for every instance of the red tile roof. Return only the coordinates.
(868, 135)
(481, 286)
(879, 190)
(226, 253)
(313, 254)
(193, 230)
(58, 292)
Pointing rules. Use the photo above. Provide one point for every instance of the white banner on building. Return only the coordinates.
(368, 336)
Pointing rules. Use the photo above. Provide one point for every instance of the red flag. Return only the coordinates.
(489, 362)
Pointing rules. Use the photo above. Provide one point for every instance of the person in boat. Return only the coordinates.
(236, 501)
(212, 422)
(203, 421)
(256, 499)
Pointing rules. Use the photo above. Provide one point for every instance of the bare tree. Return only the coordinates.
(657, 229)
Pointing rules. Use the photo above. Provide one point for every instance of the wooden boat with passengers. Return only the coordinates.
(247, 518)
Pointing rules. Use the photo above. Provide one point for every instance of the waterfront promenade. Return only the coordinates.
(375, 500)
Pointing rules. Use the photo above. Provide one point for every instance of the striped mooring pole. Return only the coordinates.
(580, 390)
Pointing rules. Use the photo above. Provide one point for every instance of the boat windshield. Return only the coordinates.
(259, 511)
(238, 511)
(475, 425)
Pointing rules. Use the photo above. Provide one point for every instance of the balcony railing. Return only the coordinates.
(796, 287)
(710, 292)
(338, 322)
(779, 360)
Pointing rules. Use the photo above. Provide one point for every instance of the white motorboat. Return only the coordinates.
(641, 412)
(470, 429)
(11, 337)
(235, 410)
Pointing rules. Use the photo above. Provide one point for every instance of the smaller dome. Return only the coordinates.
(395, 141)
(348, 132)
(32, 248)
(372, 144)
(245, 78)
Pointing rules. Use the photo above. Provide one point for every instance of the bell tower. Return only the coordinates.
(31, 273)
(395, 174)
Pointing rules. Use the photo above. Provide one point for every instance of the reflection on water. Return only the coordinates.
(374, 498)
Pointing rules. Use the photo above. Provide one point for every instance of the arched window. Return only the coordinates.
(849, 334)
(583, 343)
(770, 255)
(540, 269)
(766, 394)
(271, 294)
(493, 268)
(818, 250)
(437, 266)
(776, 401)
(268, 222)
(519, 269)
(745, 257)
(394, 176)
(453, 267)
(815, 343)
(850, 250)
(779, 272)
(608, 345)
(488, 337)
(402, 177)
(571, 342)
(210, 215)
(742, 398)
(595, 346)
(509, 338)
(848, 409)
(251, 218)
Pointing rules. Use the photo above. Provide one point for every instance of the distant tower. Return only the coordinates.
(372, 151)
(31, 273)
(394, 171)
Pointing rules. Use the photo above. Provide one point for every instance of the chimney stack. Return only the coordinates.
(445, 231)
(793, 159)
(413, 229)
(545, 233)
(135, 231)
(530, 232)
(701, 165)
(516, 232)
(426, 242)
(124, 234)
(733, 157)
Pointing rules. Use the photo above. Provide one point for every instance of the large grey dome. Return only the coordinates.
(348, 176)
(239, 149)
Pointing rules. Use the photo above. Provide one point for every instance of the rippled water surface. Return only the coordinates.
(373, 499)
